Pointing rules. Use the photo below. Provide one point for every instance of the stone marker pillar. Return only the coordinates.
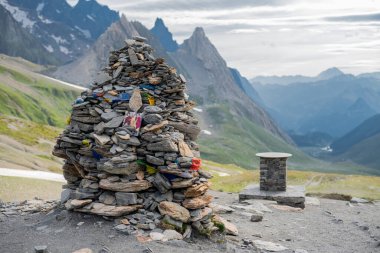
(273, 171)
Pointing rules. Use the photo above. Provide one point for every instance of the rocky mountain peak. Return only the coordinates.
(330, 73)
(164, 35)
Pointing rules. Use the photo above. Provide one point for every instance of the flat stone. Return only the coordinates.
(198, 202)
(153, 118)
(155, 160)
(84, 250)
(293, 196)
(76, 203)
(220, 209)
(268, 246)
(135, 102)
(230, 228)
(40, 249)
(102, 139)
(107, 210)
(273, 155)
(174, 210)
(202, 214)
(125, 198)
(164, 146)
(134, 186)
(355, 200)
(190, 129)
(114, 123)
(152, 109)
(197, 190)
(109, 116)
(158, 126)
(177, 184)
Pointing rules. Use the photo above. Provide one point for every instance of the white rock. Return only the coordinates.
(310, 201)
(171, 235)
(156, 236)
(269, 246)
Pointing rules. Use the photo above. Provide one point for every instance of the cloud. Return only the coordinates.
(357, 18)
(273, 36)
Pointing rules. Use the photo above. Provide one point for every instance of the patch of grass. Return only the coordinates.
(25, 131)
(18, 189)
(35, 98)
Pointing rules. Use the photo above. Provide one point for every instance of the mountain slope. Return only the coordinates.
(368, 129)
(334, 106)
(17, 41)
(60, 29)
(86, 69)
(361, 145)
(27, 95)
(211, 82)
(161, 32)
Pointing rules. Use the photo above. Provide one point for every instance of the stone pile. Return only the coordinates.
(130, 149)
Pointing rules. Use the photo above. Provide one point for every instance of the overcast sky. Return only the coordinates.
(274, 37)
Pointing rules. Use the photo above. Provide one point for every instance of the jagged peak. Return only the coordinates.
(330, 73)
(199, 32)
(164, 35)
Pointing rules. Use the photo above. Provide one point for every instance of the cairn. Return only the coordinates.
(130, 149)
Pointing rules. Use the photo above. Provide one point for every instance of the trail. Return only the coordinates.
(43, 175)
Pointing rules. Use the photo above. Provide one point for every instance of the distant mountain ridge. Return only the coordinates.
(285, 80)
(334, 106)
(63, 32)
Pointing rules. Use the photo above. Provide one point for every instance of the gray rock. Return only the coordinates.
(161, 183)
(102, 139)
(164, 146)
(172, 235)
(154, 160)
(107, 198)
(355, 200)
(169, 220)
(124, 198)
(153, 118)
(256, 217)
(114, 123)
(40, 249)
(65, 195)
(109, 116)
(152, 109)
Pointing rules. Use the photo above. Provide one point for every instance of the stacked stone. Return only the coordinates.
(273, 174)
(130, 146)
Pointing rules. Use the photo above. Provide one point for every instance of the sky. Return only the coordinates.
(273, 37)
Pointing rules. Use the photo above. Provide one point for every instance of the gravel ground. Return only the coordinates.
(332, 226)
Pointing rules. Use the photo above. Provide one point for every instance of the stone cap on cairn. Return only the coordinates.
(273, 155)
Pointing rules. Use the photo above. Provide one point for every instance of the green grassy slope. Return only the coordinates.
(29, 96)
